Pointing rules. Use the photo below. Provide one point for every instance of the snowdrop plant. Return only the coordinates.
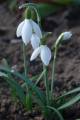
(29, 92)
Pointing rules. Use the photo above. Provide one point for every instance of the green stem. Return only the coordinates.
(39, 78)
(53, 71)
(24, 57)
(28, 98)
(46, 84)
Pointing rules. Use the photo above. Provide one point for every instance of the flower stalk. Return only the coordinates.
(28, 95)
(46, 84)
(53, 70)
(62, 37)
(25, 62)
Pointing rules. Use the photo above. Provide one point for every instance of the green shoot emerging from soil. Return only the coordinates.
(29, 92)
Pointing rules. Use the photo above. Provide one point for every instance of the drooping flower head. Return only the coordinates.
(63, 37)
(66, 35)
(29, 31)
(44, 52)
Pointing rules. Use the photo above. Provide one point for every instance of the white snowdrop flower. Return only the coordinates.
(35, 41)
(45, 54)
(36, 29)
(67, 35)
(26, 32)
(26, 29)
(19, 29)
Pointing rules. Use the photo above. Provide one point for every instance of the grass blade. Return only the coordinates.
(35, 90)
(15, 86)
(57, 112)
(76, 90)
(39, 78)
(70, 102)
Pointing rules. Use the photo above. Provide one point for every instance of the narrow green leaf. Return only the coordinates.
(70, 102)
(13, 83)
(57, 112)
(39, 78)
(3, 74)
(19, 91)
(29, 101)
(36, 91)
(76, 90)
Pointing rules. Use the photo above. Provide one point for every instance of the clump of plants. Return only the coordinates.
(29, 92)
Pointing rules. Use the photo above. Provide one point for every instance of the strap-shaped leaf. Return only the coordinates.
(36, 91)
(70, 102)
(3, 74)
(19, 91)
(39, 78)
(76, 90)
(13, 83)
(57, 112)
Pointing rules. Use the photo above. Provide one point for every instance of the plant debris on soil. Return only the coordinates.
(68, 60)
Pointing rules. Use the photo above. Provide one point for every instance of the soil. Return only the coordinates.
(68, 59)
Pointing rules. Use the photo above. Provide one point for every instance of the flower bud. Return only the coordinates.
(67, 35)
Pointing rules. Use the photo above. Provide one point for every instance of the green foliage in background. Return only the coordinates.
(12, 4)
(46, 9)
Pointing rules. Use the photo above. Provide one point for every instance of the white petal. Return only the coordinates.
(19, 29)
(36, 29)
(26, 31)
(35, 53)
(35, 41)
(67, 35)
(45, 55)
